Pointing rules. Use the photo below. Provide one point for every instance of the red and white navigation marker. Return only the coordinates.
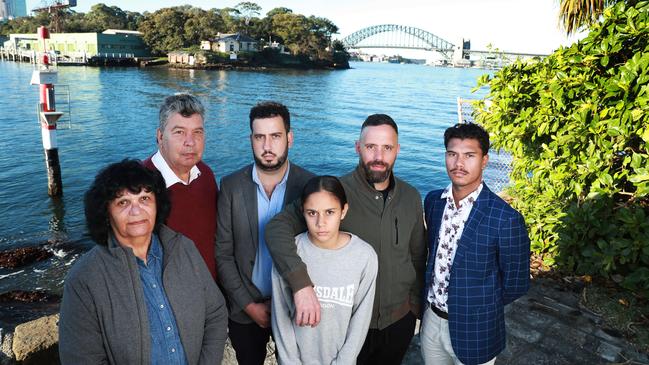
(45, 78)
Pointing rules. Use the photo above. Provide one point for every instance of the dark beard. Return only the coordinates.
(274, 167)
(375, 177)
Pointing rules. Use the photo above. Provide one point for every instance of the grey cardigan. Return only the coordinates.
(104, 316)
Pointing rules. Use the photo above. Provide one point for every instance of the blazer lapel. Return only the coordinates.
(292, 190)
(470, 232)
(438, 210)
(249, 192)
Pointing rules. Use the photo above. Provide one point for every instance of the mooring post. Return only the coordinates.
(45, 79)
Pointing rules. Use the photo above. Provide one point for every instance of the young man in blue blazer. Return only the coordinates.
(478, 258)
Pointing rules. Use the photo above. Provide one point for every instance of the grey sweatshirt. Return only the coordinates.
(344, 282)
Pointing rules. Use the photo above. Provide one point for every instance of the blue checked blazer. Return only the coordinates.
(491, 269)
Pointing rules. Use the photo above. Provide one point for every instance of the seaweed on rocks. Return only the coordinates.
(18, 257)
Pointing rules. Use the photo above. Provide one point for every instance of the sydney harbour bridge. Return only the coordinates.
(395, 36)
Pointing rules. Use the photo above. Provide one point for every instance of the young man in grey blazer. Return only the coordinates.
(248, 199)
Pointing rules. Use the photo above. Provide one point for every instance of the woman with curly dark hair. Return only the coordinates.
(143, 295)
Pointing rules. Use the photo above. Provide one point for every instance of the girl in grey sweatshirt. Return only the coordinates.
(343, 268)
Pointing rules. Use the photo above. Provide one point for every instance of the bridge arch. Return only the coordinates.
(427, 41)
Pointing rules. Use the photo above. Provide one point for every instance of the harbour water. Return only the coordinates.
(113, 115)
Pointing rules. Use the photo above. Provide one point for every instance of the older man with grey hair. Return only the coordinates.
(191, 183)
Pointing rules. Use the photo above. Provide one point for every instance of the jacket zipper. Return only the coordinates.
(396, 228)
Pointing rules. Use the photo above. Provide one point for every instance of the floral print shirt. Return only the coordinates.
(450, 231)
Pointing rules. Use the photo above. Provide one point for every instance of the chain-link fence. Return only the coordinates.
(496, 174)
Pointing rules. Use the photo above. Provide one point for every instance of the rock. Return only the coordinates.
(229, 356)
(28, 297)
(36, 342)
(413, 354)
(23, 256)
(609, 352)
(6, 354)
(270, 351)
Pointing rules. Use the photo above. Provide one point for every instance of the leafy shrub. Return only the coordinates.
(577, 125)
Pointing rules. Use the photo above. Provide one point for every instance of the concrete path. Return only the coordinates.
(548, 326)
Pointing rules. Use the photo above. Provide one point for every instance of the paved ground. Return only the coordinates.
(548, 326)
(545, 327)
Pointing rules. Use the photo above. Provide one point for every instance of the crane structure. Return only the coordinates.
(56, 8)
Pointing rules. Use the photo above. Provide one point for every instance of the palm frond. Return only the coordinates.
(575, 14)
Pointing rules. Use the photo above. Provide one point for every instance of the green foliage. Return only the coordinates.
(248, 10)
(577, 125)
(339, 46)
(26, 24)
(98, 19)
(164, 30)
(232, 20)
(102, 17)
(180, 27)
(304, 36)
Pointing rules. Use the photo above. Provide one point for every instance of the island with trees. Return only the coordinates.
(282, 38)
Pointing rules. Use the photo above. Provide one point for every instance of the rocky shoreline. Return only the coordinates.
(240, 66)
(15, 258)
(34, 342)
(28, 319)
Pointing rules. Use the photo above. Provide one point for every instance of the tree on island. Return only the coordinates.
(102, 17)
(304, 36)
(179, 27)
(25, 24)
(308, 37)
(98, 19)
(200, 25)
(164, 30)
(248, 10)
(263, 29)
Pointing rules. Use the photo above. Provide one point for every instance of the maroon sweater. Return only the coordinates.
(193, 211)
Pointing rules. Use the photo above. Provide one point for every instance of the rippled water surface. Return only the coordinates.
(113, 115)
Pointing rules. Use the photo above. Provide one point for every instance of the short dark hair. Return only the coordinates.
(128, 175)
(183, 104)
(327, 183)
(468, 131)
(269, 109)
(380, 119)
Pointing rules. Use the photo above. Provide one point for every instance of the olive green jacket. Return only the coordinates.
(394, 228)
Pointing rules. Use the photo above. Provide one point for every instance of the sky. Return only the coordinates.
(524, 26)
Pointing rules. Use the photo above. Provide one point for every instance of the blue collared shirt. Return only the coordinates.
(166, 347)
(266, 210)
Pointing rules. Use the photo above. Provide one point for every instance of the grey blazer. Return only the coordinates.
(237, 235)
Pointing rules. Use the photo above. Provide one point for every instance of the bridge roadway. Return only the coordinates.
(515, 54)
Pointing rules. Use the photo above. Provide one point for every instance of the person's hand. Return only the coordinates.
(260, 313)
(307, 307)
